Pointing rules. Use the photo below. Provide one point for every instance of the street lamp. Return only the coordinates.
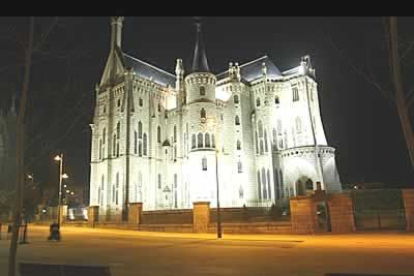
(204, 124)
(62, 176)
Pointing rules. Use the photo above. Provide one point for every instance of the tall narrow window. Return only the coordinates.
(295, 93)
(260, 127)
(159, 181)
(141, 102)
(145, 144)
(103, 142)
(238, 145)
(202, 91)
(258, 102)
(100, 150)
(118, 129)
(259, 188)
(257, 143)
(236, 99)
(159, 134)
(175, 133)
(114, 146)
(203, 113)
(193, 141)
(274, 135)
(265, 141)
(237, 120)
(117, 189)
(140, 129)
(239, 167)
(204, 163)
(135, 142)
(213, 141)
(207, 140)
(264, 184)
(200, 140)
(269, 190)
(140, 148)
(159, 107)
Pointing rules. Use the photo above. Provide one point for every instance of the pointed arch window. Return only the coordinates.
(264, 183)
(140, 129)
(265, 141)
(259, 188)
(145, 144)
(200, 140)
(269, 190)
(237, 120)
(140, 148)
(159, 134)
(135, 142)
(193, 141)
(100, 149)
(203, 113)
(141, 102)
(207, 140)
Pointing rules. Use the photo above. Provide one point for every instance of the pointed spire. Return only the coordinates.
(116, 33)
(200, 59)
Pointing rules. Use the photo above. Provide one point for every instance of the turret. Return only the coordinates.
(179, 83)
(116, 34)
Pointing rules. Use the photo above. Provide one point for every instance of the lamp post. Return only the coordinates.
(204, 124)
(62, 176)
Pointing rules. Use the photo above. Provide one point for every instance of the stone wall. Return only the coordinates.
(253, 228)
(168, 217)
(408, 197)
(201, 217)
(341, 213)
(303, 215)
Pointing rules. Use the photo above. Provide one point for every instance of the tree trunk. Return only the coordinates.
(399, 92)
(20, 153)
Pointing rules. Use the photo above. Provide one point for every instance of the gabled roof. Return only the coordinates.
(149, 72)
(253, 70)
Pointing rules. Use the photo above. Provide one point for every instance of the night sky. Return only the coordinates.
(359, 121)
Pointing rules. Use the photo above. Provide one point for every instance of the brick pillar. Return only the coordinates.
(135, 213)
(304, 219)
(201, 217)
(93, 213)
(341, 213)
(408, 197)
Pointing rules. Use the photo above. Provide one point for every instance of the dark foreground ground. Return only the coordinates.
(143, 253)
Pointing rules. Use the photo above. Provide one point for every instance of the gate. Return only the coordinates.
(378, 209)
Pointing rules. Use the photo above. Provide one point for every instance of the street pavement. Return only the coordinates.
(130, 253)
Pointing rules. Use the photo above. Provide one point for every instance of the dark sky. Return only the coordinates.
(359, 121)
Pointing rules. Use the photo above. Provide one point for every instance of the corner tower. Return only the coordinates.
(201, 118)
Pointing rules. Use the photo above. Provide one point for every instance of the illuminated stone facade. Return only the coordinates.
(154, 134)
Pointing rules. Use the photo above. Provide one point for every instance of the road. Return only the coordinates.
(143, 253)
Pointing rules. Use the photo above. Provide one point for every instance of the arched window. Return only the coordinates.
(204, 163)
(100, 149)
(238, 145)
(175, 153)
(135, 142)
(145, 144)
(159, 181)
(261, 146)
(203, 113)
(213, 141)
(140, 129)
(207, 140)
(202, 91)
(259, 188)
(264, 183)
(277, 101)
(159, 107)
(239, 167)
(140, 148)
(119, 102)
(193, 141)
(118, 129)
(258, 102)
(200, 140)
(269, 190)
(159, 134)
(175, 133)
(265, 141)
(103, 136)
(237, 120)
(114, 146)
(236, 99)
(141, 102)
